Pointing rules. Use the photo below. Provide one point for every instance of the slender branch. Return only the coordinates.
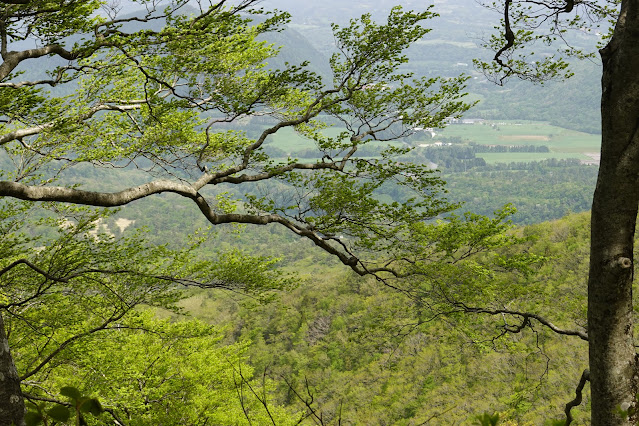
(526, 316)
(11, 59)
(240, 395)
(278, 171)
(118, 421)
(262, 399)
(509, 36)
(30, 131)
(585, 377)
(32, 266)
(311, 111)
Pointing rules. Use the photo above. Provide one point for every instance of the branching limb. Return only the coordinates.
(311, 411)
(30, 131)
(261, 398)
(12, 59)
(526, 317)
(97, 199)
(100, 199)
(585, 377)
(44, 399)
(526, 22)
(187, 282)
(509, 36)
(32, 266)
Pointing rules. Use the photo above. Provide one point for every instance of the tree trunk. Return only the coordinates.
(11, 400)
(613, 365)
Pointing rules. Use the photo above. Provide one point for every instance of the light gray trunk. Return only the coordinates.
(11, 400)
(613, 364)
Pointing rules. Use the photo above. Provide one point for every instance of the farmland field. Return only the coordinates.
(510, 157)
(524, 133)
(563, 143)
(288, 141)
(291, 142)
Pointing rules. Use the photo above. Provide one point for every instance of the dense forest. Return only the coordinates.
(367, 352)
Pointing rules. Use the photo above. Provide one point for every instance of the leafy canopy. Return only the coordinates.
(169, 92)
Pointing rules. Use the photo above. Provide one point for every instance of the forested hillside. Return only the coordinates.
(362, 351)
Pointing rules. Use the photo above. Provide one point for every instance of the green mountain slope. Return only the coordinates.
(369, 355)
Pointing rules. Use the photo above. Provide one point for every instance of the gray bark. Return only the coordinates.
(11, 400)
(613, 365)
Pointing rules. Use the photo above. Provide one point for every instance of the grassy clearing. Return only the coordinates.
(291, 142)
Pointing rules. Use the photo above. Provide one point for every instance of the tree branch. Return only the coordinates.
(585, 377)
(101, 199)
(30, 131)
(12, 59)
(97, 199)
(526, 316)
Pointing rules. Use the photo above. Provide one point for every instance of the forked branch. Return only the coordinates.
(526, 317)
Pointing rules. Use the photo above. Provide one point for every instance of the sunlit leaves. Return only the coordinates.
(51, 21)
(367, 72)
(72, 412)
(153, 371)
(368, 49)
(171, 97)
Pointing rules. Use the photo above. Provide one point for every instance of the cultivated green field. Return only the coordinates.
(290, 142)
(563, 143)
(525, 133)
(515, 157)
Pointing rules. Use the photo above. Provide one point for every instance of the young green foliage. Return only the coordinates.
(70, 295)
(170, 98)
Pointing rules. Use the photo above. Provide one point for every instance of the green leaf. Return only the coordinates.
(487, 419)
(59, 413)
(32, 418)
(71, 392)
(91, 405)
